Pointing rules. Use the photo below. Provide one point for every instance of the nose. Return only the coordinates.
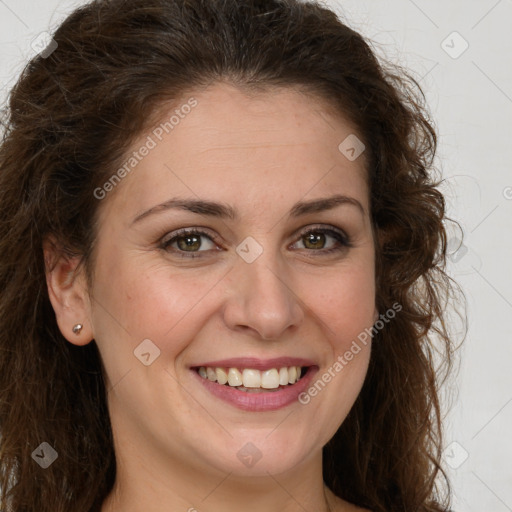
(261, 299)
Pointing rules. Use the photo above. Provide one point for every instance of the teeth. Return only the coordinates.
(234, 377)
(222, 376)
(210, 373)
(283, 376)
(251, 378)
(270, 379)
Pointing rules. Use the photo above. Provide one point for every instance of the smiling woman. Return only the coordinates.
(244, 318)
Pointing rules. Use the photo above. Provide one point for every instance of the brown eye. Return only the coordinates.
(314, 240)
(189, 242)
(322, 241)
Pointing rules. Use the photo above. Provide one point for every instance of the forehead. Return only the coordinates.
(235, 144)
(269, 118)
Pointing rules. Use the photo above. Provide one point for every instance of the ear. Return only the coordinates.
(68, 293)
(375, 315)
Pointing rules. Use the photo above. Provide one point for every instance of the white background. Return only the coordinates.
(470, 98)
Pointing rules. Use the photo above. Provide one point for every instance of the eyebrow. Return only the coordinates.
(223, 211)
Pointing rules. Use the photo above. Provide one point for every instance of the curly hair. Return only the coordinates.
(72, 116)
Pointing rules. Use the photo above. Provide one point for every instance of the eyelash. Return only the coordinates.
(342, 239)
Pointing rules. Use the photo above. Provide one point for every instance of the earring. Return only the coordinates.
(77, 328)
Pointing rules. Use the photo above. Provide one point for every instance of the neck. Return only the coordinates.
(164, 485)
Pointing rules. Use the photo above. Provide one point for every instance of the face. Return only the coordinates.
(240, 245)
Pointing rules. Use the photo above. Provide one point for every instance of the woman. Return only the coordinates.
(222, 267)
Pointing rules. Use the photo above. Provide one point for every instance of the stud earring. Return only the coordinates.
(77, 328)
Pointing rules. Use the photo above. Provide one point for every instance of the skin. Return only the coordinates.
(176, 444)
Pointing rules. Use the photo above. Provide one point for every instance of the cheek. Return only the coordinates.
(138, 300)
(345, 307)
(346, 303)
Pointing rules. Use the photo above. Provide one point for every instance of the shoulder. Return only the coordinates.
(348, 507)
(339, 505)
(345, 506)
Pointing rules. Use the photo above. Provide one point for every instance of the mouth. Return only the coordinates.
(252, 380)
(255, 385)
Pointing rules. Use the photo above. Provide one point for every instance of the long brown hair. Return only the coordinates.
(73, 115)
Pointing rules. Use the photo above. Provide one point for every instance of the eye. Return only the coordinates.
(192, 242)
(188, 241)
(322, 240)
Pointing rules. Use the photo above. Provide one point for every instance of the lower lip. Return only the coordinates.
(262, 401)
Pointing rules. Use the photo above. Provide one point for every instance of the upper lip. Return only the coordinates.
(256, 363)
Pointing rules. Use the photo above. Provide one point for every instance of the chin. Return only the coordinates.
(261, 452)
